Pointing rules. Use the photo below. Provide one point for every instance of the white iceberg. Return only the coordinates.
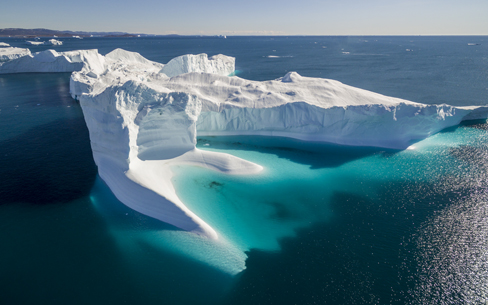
(50, 42)
(11, 53)
(49, 61)
(34, 43)
(218, 64)
(54, 42)
(142, 122)
(3, 44)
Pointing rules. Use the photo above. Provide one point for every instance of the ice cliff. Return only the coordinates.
(143, 118)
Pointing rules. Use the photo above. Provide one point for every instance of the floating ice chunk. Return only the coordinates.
(34, 43)
(3, 44)
(54, 42)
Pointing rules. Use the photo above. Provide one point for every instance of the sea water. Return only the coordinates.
(322, 223)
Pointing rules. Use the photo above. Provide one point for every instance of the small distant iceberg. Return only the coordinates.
(50, 42)
(277, 56)
(473, 44)
(54, 42)
(3, 44)
(78, 37)
(17, 60)
(34, 43)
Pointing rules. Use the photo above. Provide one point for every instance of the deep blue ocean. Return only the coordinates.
(323, 224)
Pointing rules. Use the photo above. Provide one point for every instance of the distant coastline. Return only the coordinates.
(31, 33)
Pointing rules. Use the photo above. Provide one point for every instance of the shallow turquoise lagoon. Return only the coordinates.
(384, 218)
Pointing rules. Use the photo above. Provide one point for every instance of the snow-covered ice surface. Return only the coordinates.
(54, 42)
(22, 61)
(143, 118)
(11, 53)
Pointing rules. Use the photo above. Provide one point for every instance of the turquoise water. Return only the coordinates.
(321, 223)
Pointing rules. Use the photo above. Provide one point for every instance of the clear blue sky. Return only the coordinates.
(253, 17)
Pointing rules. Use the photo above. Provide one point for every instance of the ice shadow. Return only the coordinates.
(49, 163)
(316, 155)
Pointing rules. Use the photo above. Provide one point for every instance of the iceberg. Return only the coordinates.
(54, 42)
(3, 44)
(22, 61)
(218, 64)
(11, 53)
(34, 43)
(143, 118)
(50, 42)
(139, 131)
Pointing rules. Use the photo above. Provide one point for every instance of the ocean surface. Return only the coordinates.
(323, 224)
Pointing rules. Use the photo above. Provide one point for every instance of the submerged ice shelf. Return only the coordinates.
(143, 118)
